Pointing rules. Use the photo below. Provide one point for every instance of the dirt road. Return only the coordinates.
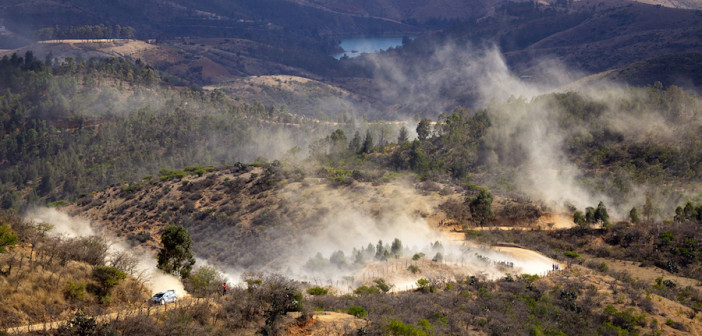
(145, 309)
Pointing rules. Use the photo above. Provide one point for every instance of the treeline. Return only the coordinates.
(85, 32)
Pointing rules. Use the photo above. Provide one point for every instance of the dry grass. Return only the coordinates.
(35, 282)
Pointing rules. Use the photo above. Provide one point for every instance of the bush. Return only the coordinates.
(382, 285)
(413, 268)
(357, 311)
(81, 324)
(366, 290)
(675, 325)
(171, 174)
(107, 277)
(74, 291)
(317, 291)
(395, 327)
(205, 281)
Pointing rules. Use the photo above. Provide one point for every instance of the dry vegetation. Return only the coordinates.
(47, 278)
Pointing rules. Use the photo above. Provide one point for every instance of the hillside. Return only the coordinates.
(240, 215)
(550, 44)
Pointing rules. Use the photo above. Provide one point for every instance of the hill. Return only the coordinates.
(271, 217)
(546, 44)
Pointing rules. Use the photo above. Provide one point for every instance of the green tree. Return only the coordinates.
(7, 238)
(678, 214)
(338, 141)
(382, 285)
(601, 214)
(423, 129)
(579, 220)
(689, 212)
(176, 255)
(396, 247)
(634, 216)
(355, 143)
(367, 146)
(590, 215)
(481, 207)
(417, 157)
(107, 277)
(127, 32)
(403, 137)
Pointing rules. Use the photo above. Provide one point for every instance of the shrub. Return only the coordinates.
(571, 254)
(395, 327)
(171, 174)
(74, 291)
(366, 290)
(107, 277)
(382, 285)
(418, 256)
(205, 281)
(318, 291)
(81, 324)
(675, 325)
(357, 311)
(413, 268)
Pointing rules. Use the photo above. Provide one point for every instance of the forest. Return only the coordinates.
(68, 124)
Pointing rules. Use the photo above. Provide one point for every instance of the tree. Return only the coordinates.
(367, 146)
(481, 207)
(689, 212)
(337, 142)
(338, 258)
(601, 214)
(176, 255)
(127, 32)
(417, 157)
(355, 143)
(579, 220)
(678, 214)
(403, 137)
(423, 129)
(7, 238)
(396, 247)
(634, 216)
(107, 277)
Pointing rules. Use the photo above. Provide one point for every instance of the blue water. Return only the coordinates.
(356, 46)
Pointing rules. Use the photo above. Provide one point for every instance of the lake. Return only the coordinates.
(356, 46)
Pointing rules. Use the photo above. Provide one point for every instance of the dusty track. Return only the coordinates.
(145, 309)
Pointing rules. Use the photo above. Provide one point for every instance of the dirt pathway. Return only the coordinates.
(145, 309)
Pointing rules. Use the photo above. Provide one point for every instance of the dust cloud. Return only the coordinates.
(68, 226)
(342, 243)
(527, 126)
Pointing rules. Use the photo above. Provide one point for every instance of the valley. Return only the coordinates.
(504, 168)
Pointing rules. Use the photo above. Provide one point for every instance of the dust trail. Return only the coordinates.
(76, 227)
